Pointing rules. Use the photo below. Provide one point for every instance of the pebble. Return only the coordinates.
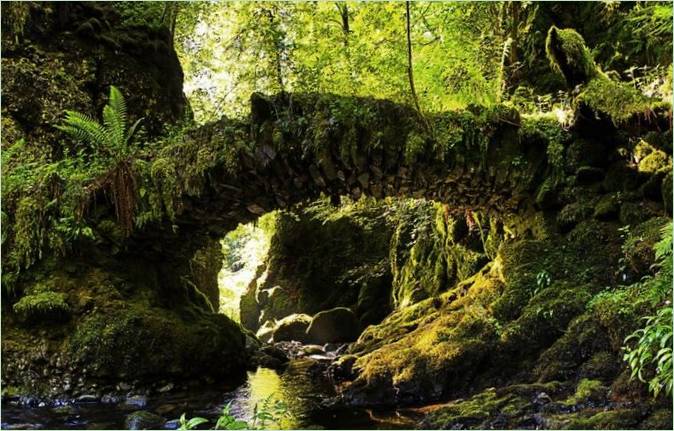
(166, 388)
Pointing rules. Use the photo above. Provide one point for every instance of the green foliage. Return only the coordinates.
(268, 415)
(111, 138)
(648, 350)
(230, 50)
(46, 201)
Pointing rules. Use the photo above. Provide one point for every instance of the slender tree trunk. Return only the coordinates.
(343, 9)
(410, 70)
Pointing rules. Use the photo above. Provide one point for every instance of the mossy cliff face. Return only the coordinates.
(58, 56)
(115, 310)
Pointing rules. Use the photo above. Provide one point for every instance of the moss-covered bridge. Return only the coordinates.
(298, 146)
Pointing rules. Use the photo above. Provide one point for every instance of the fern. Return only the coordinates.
(648, 350)
(111, 139)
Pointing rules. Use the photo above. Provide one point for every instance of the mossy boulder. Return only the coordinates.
(589, 390)
(132, 342)
(656, 161)
(607, 208)
(143, 420)
(337, 325)
(44, 306)
(292, 328)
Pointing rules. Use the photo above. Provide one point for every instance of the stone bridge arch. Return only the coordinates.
(296, 147)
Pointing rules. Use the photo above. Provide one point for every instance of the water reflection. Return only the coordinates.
(295, 387)
(298, 386)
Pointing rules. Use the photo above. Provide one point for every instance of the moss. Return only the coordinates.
(603, 365)
(545, 317)
(659, 419)
(588, 390)
(438, 336)
(608, 207)
(131, 341)
(618, 101)
(478, 410)
(625, 418)
(656, 161)
(569, 56)
(572, 214)
(667, 183)
(638, 246)
(43, 306)
(620, 311)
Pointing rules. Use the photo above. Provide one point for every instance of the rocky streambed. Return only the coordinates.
(299, 378)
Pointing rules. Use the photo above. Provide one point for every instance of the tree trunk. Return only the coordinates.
(410, 71)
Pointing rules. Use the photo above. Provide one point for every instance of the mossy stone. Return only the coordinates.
(607, 208)
(143, 420)
(292, 328)
(44, 306)
(336, 325)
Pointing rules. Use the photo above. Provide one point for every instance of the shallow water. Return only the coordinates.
(297, 386)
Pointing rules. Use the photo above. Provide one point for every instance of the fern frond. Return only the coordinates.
(114, 126)
(118, 105)
(83, 128)
(132, 130)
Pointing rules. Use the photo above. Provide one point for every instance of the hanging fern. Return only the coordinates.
(112, 140)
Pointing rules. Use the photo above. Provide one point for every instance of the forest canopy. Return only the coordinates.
(461, 52)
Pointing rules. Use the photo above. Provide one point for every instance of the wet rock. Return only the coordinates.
(110, 399)
(87, 398)
(142, 420)
(166, 409)
(292, 328)
(22, 426)
(312, 349)
(271, 357)
(266, 331)
(166, 388)
(339, 324)
(136, 401)
(173, 424)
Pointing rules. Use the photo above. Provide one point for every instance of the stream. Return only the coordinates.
(295, 386)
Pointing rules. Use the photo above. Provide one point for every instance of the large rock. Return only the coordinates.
(336, 325)
(292, 328)
(142, 420)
